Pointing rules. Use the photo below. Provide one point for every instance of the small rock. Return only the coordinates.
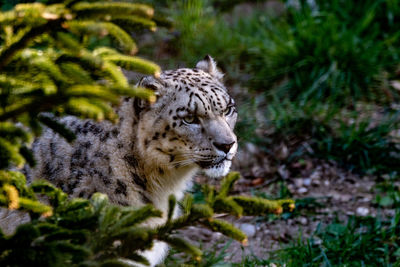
(345, 198)
(283, 172)
(395, 84)
(317, 240)
(257, 171)
(302, 190)
(303, 220)
(307, 182)
(291, 187)
(315, 175)
(248, 229)
(316, 182)
(252, 148)
(361, 211)
(282, 152)
(298, 182)
(366, 200)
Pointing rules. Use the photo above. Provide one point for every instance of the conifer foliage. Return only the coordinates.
(96, 233)
(53, 59)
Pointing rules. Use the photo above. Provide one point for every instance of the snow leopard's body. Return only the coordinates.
(154, 150)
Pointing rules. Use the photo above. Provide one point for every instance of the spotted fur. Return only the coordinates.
(154, 150)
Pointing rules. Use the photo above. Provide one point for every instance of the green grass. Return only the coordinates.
(306, 54)
(356, 142)
(310, 64)
(359, 242)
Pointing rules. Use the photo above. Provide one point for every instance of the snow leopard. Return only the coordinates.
(154, 150)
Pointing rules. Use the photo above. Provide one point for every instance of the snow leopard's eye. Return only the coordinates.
(229, 111)
(191, 119)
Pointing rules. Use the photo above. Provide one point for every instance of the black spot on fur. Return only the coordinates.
(105, 180)
(52, 149)
(95, 129)
(76, 156)
(87, 124)
(156, 135)
(120, 145)
(145, 198)
(105, 136)
(164, 135)
(71, 186)
(78, 129)
(138, 181)
(86, 144)
(48, 171)
(85, 130)
(171, 158)
(131, 160)
(121, 188)
(174, 125)
(115, 132)
(161, 171)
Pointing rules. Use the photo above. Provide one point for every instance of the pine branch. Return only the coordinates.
(35, 106)
(133, 22)
(115, 73)
(7, 53)
(112, 8)
(9, 153)
(104, 28)
(134, 64)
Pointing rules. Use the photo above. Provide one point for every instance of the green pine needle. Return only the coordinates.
(226, 229)
(183, 246)
(134, 64)
(112, 8)
(101, 29)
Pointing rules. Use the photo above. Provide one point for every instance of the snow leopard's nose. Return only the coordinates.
(223, 147)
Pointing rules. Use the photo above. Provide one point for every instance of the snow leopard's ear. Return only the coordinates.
(152, 83)
(209, 65)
